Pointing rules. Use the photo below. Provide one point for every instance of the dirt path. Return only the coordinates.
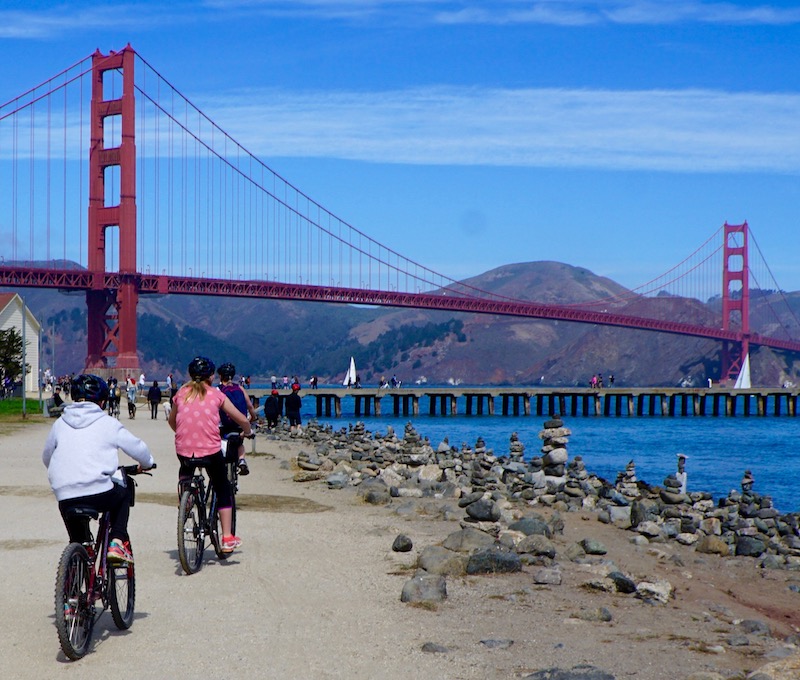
(314, 592)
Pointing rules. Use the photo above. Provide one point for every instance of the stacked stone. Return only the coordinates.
(627, 484)
(516, 448)
(577, 477)
(671, 493)
(743, 523)
(554, 438)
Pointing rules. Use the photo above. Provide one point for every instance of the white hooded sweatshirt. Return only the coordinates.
(81, 451)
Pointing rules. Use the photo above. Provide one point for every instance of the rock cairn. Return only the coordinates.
(500, 487)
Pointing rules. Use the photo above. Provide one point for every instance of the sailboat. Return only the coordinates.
(743, 381)
(350, 376)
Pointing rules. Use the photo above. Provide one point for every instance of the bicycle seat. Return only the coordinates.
(79, 512)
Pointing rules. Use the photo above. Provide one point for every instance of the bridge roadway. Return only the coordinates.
(545, 401)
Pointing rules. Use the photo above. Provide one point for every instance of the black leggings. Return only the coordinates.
(215, 466)
(116, 500)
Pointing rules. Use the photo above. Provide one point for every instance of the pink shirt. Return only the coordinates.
(197, 423)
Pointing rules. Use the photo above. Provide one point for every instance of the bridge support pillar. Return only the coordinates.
(111, 333)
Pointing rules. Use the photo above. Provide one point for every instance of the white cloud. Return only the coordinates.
(683, 131)
(68, 18)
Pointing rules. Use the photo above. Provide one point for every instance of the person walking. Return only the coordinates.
(272, 409)
(293, 405)
(154, 399)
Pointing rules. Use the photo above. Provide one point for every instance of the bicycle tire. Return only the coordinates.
(74, 612)
(191, 533)
(216, 527)
(233, 478)
(122, 594)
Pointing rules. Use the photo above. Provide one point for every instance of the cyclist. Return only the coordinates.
(242, 402)
(81, 458)
(195, 420)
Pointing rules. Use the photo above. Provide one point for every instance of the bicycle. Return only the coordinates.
(85, 576)
(198, 519)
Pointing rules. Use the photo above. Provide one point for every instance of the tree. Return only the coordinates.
(11, 354)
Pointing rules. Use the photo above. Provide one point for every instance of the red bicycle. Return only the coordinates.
(86, 577)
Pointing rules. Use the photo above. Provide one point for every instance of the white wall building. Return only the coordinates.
(11, 307)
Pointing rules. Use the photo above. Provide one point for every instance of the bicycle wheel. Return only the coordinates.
(74, 611)
(122, 594)
(191, 535)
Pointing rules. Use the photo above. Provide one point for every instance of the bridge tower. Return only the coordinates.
(111, 341)
(735, 299)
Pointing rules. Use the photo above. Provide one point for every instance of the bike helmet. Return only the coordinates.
(227, 371)
(87, 387)
(201, 368)
(275, 393)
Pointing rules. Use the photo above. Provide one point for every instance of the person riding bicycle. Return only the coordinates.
(195, 420)
(81, 458)
(242, 402)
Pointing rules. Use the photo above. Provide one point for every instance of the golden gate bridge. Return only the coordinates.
(166, 202)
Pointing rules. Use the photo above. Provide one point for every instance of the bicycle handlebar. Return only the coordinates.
(134, 469)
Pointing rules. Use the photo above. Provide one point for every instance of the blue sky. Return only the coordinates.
(612, 135)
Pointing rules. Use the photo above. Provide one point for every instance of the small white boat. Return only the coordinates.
(743, 381)
(350, 376)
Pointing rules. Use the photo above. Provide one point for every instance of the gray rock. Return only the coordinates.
(550, 576)
(593, 547)
(622, 583)
(437, 560)
(497, 644)
(467, 540)
(580, 672)
(433, 648)
(338, 480)
(424, 588)
(541, 546)
(749, 546)
(484, 510)
(531, 525)
(402, 543)
(493, 561)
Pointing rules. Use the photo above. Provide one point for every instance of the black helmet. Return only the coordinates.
(201, 368)
(87, 387)
(227, 371)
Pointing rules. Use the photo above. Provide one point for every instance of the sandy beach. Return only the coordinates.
(314, 592)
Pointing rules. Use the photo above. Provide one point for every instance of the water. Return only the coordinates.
(719, 449)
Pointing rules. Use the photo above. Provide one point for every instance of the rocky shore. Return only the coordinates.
(510, 512)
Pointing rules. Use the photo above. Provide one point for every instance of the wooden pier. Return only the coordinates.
(545, 401)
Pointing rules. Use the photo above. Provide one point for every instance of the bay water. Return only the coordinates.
(718, 449)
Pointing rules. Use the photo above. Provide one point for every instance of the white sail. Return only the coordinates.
(350, 376)
(743, 381)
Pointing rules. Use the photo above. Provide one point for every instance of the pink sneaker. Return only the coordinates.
(119, 552)
(230, 543)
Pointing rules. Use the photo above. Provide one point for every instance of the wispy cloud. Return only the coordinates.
(683, 131)
(552, 12)
(48, 22)
(643, 12)
(66, 19)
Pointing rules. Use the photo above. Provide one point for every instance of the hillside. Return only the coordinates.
(263, 337)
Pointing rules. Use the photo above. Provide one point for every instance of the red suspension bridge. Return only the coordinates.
(177, 206)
